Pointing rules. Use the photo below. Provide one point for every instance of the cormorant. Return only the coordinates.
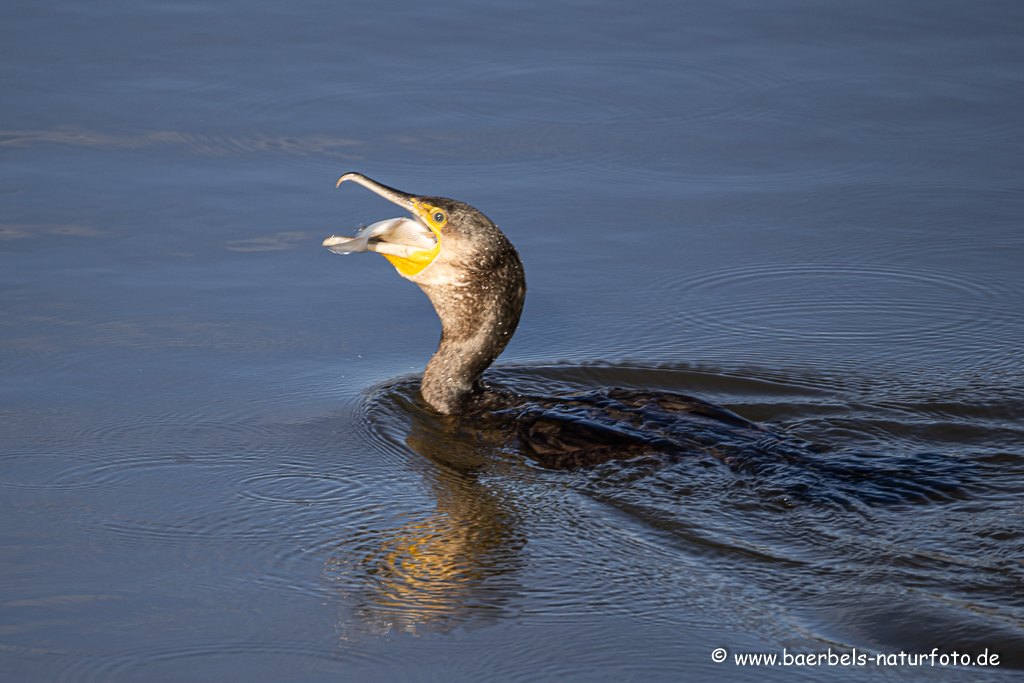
(475, 280)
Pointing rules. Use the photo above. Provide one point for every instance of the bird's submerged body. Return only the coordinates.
(563, 432)
(476, 283)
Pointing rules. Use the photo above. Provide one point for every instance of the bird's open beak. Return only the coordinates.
(410, 245)
(401, 237)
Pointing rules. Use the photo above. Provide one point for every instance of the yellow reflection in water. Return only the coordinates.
(439, 569)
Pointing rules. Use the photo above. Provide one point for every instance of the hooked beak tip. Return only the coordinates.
(347, 176)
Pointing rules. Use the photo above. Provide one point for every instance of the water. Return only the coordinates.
(212, 462)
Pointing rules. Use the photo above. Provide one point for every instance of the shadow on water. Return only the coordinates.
(855, 548)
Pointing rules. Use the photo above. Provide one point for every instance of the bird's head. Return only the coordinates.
(470, 271)
(445, 235)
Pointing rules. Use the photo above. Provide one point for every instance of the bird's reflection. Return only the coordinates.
(451, 566)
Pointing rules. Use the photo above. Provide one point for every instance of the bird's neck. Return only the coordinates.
(478, 317)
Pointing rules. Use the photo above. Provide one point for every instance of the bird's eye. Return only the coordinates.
(438, 216)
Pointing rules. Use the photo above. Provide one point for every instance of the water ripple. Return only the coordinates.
(292, 487)
(825, 302)
(226, 656)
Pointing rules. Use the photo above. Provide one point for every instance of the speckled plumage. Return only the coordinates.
(477, 286)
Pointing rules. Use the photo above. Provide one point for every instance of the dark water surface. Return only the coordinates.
(213, 465)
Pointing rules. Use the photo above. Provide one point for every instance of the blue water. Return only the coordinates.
(213, 465)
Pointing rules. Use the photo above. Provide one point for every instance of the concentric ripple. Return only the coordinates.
(306, 487)
(823, 302)
(160, 662)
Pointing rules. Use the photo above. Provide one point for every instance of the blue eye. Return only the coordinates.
(438, 217)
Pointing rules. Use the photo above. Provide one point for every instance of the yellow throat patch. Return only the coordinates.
(417, 261)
